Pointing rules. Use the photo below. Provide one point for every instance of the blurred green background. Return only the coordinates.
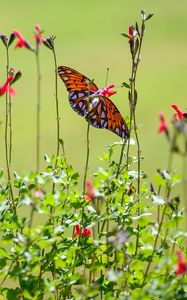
(89, 40)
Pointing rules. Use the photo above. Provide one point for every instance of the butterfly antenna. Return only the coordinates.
(107, 73)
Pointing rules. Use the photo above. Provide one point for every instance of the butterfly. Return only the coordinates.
(85, 100)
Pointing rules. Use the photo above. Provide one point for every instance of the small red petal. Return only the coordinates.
(18, 35)
(37, 27)
(77, 230)
(131, 31)
(179, 112)
(90, 191)
(163, 124)
(12, 91)
(110, 86)
(3, 89)
(20, 44)
(86, 231)
(181, 265)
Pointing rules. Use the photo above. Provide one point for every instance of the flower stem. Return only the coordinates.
(57, 112)
(8, 134)
(133, 101)
(184, 180)
(10, 129)
(87, 157)
(156, 240)
(38, 110)
(57, 106)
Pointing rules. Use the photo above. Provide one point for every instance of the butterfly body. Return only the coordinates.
(86, 101)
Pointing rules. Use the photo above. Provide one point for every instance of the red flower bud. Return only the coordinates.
(7, 87)
(179, 113)
(181, 265)
(21, 41)
(107, 92)
(85, 231)
(90, 191)
(163, 124)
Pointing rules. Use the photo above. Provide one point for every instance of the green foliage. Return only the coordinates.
(45, 261)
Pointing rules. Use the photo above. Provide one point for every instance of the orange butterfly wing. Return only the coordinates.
(74, 80)
(79, 88)
(99, 111)
(106, 115)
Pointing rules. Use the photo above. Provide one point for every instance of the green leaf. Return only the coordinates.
(149, 16)
(144, 188)
(46, 158)
(136, 46)
(131, 248)
(157, 199)
(76, 279)
(3, 253)
(125, 35)
(126, 85)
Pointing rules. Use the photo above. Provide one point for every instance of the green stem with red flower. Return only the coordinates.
(133, 101)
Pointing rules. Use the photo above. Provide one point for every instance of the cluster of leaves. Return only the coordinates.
(43, 259)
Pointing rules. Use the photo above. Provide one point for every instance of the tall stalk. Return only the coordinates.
(135, 48)
(8, 133)
(57, 106)
(87, 157)
(38, 110)
(49, 43)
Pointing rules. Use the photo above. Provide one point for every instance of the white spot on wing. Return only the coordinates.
(117, 130)
(94, 102)
(65, 78)
(80, 104)
(99, 108)
(102, 122)
(104, 107)
(80, 95)
(74, 96)
(105, 125)
(103, 115)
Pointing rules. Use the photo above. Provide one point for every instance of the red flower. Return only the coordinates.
(106, 91)
(181, 265)
(131, 34)
(85, 231)
(7, 87)
(163, 124)
(179, 113)
(38, 35)
(77, 230)
(90, 191)
(21, 41)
